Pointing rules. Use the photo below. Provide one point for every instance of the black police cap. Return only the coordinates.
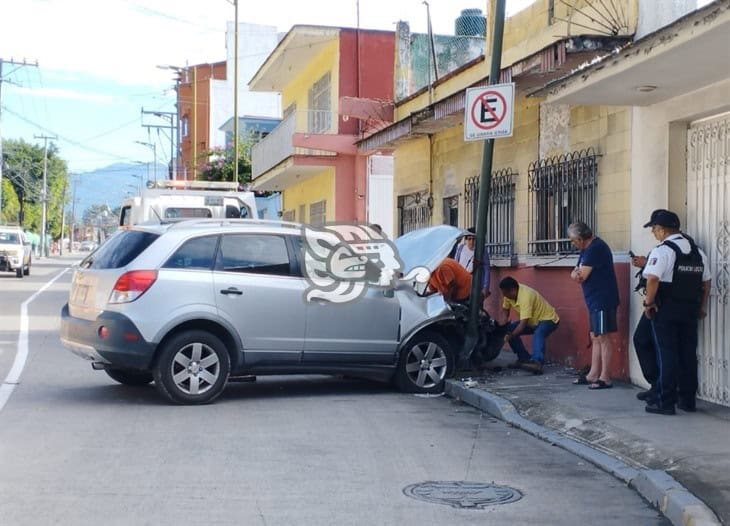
(665, 218)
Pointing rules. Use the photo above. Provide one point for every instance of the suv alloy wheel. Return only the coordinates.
(424, 364)
(192, 368)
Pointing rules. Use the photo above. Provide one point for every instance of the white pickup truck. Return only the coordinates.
(167, 200)
(14, 251)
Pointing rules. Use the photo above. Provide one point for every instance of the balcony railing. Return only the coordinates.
(278, 146)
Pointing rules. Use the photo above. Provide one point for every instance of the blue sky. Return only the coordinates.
(98, 60)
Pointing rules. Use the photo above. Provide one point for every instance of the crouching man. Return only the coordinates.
(537, 317)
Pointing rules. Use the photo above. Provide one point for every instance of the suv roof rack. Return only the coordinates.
(179, 184)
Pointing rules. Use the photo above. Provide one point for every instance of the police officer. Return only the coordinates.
(677, 288)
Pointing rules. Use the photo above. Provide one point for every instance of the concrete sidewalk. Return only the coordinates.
(610, 428)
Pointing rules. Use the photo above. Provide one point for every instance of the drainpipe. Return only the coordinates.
(485, 183)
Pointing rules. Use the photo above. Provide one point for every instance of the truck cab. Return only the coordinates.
(164, 201)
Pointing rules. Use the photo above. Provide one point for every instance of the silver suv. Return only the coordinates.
(195, 304)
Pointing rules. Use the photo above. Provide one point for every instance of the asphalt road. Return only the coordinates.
(76, 448)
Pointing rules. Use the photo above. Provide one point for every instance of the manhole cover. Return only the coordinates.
(462, 494)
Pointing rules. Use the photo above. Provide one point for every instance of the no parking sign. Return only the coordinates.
(488, 112)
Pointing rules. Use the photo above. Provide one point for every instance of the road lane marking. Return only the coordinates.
(21, 354)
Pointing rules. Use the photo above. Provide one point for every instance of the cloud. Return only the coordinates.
(60, 93)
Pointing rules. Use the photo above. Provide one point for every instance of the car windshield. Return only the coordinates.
(119, 250)
(10, 238)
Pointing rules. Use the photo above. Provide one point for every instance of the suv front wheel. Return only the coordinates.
(425, 363)
(192, 368)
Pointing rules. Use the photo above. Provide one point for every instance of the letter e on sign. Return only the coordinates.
(488, 112)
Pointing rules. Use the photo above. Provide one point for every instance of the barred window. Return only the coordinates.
(414, 212)
(320, 115)
(451, 210)
(501, 215)
(561, 190)
(318, 213)
(288, 215)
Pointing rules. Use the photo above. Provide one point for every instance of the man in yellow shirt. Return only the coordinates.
(537, 317)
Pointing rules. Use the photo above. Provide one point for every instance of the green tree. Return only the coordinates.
(23, 167)
(219, 162)
(11, 205)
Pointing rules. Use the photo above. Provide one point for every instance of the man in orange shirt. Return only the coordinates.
(451, 280)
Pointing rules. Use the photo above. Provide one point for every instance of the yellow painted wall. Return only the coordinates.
(297, 90)
(453, 160)
(313, 189)
(608, 130)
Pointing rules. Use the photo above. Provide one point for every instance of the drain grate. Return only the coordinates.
(462, 494)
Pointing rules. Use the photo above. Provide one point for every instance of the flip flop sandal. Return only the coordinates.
(582, 380)
(599, 384)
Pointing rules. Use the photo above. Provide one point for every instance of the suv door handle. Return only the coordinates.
(232, 290)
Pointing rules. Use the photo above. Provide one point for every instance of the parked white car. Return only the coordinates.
(15, 251)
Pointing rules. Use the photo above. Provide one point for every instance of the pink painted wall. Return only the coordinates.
(570, 343)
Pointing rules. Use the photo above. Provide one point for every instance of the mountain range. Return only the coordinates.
(110, 185)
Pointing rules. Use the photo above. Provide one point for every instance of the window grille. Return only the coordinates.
(451, 210)
(561, 190)
(318, 213)
(501, 214)
(414, 212)
(319, 118)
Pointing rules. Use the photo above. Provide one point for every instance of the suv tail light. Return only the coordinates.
(131, 285)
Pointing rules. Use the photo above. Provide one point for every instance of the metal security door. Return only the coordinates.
(708, 220)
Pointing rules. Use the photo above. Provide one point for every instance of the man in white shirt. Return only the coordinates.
(677, 287)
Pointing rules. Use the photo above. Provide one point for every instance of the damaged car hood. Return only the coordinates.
(426, 247)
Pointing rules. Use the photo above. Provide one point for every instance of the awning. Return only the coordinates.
(682, 57)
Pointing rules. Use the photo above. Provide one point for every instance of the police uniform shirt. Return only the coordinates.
(661, 260)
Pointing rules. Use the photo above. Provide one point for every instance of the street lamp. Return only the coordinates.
(153, 146)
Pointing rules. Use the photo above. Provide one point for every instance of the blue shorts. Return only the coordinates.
(603, 321)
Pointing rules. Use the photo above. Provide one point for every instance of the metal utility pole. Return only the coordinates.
(73, 217)
(44, 195)
(63, 219)
(166, 115)
(235, 92)
(153, 146)
(485, 182)
(20, 64)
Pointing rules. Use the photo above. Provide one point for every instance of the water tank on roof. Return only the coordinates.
(471, 23)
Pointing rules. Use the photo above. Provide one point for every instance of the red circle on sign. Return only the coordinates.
(484, 104)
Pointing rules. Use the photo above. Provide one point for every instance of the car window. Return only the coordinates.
(254, 253)
(187, 213)
(197, 253)
(10, 238)
(119, 250)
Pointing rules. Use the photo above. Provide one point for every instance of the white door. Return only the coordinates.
(708, 220)
(380, 192)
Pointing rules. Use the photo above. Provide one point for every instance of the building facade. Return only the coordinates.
(675, 82)
(563, 163)
(335, 83)
(205, 94)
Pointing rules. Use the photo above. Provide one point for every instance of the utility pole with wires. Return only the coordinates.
(235, 89)
(19, 65)
(171, 117)
(63, 218)
(44, 192)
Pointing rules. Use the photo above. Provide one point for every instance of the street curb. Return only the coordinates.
(659, 488)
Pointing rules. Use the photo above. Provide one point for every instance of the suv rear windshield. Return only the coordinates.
(119, 250)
